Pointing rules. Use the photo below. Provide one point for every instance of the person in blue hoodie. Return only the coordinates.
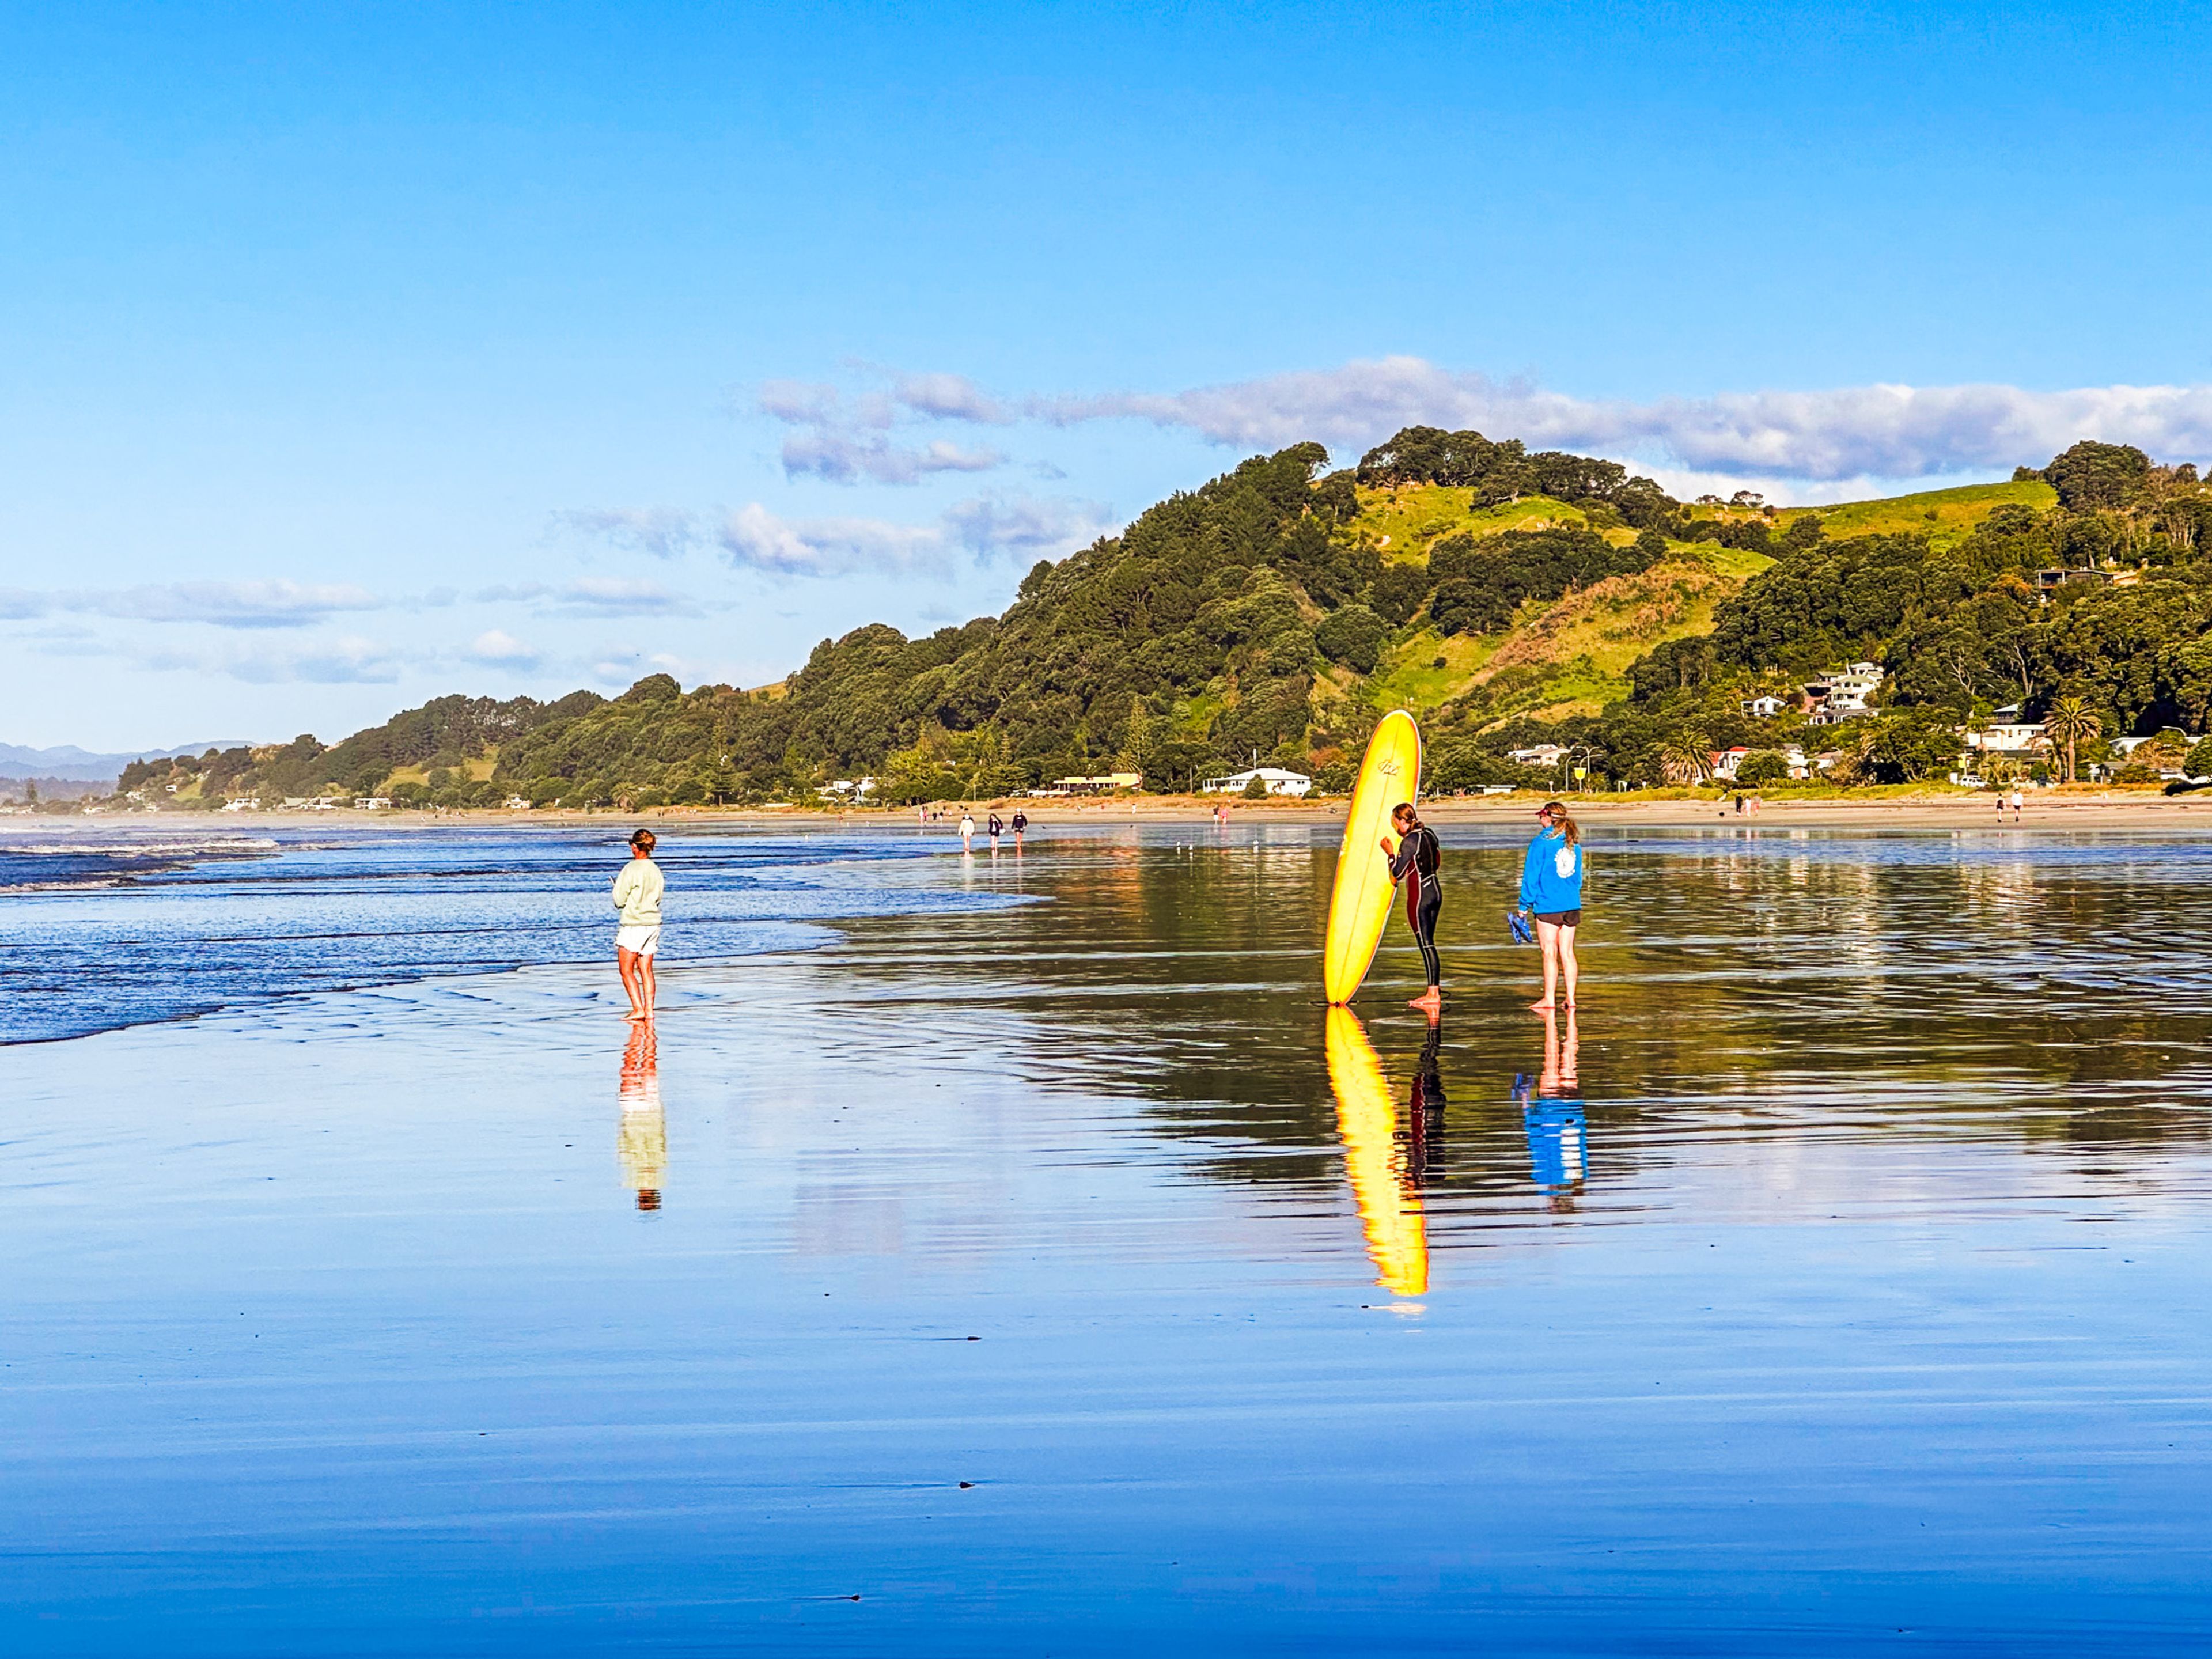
(1552, 892)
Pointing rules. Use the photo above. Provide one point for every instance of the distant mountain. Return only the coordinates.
(83, 766)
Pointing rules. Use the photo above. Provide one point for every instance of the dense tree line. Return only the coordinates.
(1240, 620)
(1504, 472)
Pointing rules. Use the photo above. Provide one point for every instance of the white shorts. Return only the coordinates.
(642, 940)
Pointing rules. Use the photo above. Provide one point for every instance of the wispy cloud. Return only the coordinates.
(1872, 431)
(348, 660)
(847, 457)
(220, 604)
(620, 596)
(983, 528)
(592, 596)
(664, 532)
(849, 440)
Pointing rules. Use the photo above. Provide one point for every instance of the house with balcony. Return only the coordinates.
(1841, 694)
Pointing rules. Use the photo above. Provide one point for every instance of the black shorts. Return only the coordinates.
(1561, 918)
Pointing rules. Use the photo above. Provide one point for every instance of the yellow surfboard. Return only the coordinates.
(1361, 902)
(1367, 1119)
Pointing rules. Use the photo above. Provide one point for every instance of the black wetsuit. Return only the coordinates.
(1418, 858)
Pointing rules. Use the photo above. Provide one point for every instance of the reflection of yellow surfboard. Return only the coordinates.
(1367, 1118)
(1361, 903)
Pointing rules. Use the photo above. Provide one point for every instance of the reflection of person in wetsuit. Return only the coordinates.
(1425, 1110)
(1551, 1117)
(1415, 864)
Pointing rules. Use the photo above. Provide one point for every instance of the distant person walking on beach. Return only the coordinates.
(1415, 864)
(998, 829)
(967, 831)
(1552, 892)
(2019, 801)
(637, 927)
(1021, 823)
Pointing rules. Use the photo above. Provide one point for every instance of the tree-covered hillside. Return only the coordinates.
(1277, 612)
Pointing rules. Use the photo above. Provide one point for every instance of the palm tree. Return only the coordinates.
(1686, 759)
(2072, 722)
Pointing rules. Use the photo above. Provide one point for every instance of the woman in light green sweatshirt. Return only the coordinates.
(637, 930)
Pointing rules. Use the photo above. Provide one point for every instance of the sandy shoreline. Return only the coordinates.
(2056, 810)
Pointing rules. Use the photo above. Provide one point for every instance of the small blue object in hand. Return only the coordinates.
(1517, 923)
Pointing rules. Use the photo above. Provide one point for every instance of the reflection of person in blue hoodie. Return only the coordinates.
(1552, 1116)
(1551, 890)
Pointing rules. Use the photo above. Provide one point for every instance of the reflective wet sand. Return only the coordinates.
(1837, 1282)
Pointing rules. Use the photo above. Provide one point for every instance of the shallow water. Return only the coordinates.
(105, 928)
(1846, 1289)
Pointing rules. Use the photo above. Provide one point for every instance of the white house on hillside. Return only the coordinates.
(1276, 780)
(1841, 694)
(1545, 756)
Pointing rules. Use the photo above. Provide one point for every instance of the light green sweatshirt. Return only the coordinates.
(637, 894)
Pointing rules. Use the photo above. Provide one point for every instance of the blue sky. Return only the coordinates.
(356, 355)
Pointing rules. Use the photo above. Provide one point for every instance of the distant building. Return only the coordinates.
(1841, 694)
(2006, 733)
(382, 803)
(1726, 761)
(1276, 780)
(1763, 708)
(1104, 783)
(1546, 757)
(2048, 582)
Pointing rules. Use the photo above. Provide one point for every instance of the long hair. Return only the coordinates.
(1566, 825)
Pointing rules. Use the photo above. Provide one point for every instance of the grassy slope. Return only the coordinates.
(1572, 656)
(1943, 515)
(1408, 520)
(1567, 657)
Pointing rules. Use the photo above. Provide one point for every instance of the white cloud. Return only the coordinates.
(496, 646)
(1854, 432)
(665, 532)
(983, 527)
(758, 540)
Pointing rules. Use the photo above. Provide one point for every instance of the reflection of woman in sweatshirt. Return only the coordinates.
(1552, 892)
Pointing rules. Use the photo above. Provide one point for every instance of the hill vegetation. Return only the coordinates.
(1277, 612)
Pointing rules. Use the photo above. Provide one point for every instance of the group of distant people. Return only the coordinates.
(996, 827)
(1550, 900)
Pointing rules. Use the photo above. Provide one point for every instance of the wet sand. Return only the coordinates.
(1848, 1291)
(2064, 810)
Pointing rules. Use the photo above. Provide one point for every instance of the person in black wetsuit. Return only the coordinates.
(1415, 864)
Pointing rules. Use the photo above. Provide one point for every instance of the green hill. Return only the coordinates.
(1504, 596)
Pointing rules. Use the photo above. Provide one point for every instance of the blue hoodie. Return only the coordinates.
(1551, 876)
